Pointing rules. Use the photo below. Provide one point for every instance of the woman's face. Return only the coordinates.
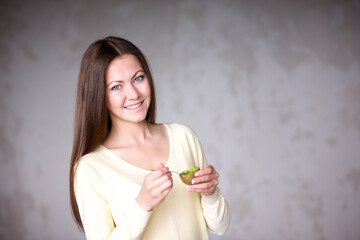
(128, 93)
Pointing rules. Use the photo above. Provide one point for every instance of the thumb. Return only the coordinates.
(161, 165)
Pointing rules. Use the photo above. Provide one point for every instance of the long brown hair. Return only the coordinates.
(92, 119)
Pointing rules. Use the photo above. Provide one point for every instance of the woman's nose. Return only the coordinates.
(132, 92)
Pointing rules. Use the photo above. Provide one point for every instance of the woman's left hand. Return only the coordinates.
(205, 181)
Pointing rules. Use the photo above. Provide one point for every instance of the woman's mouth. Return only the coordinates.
(134, 106)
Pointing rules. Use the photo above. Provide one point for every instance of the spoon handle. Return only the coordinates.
(169, 171)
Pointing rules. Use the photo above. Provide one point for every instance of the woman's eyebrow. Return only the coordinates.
(137, 73)
(117, 81)
(121, 81)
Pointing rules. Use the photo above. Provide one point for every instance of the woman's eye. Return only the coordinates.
(117, 87)
(139, 78)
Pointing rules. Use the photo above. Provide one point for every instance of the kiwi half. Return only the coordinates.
(188, 175)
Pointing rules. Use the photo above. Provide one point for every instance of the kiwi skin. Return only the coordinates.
(187, 177)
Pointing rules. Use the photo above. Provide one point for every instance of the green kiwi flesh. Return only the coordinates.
(188, 175)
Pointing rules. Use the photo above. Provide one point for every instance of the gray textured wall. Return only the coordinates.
(272, 88)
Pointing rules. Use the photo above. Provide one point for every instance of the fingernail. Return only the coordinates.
(193, 181)
(188, 188)
(196, 174)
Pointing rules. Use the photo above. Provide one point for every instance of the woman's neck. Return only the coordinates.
(128, 133)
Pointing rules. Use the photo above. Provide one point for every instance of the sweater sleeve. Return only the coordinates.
(216, 210)
(95, 213)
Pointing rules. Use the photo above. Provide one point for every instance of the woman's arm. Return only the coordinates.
(95, 213)
(216, 209)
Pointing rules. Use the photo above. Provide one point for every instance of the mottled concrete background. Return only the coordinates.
(272, 88)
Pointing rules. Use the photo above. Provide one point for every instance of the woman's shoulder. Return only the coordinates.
(92, 158)
(179, 129)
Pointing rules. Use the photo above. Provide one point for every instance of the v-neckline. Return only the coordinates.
(137, 168)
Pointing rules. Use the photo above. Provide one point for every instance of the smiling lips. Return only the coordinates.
(134, 106)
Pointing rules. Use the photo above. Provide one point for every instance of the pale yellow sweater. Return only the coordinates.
(106, 187)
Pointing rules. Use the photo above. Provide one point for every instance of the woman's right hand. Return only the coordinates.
(155, 188)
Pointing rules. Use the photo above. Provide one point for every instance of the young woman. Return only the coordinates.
(121, 186)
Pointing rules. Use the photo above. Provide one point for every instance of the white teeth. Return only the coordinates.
(133, 106)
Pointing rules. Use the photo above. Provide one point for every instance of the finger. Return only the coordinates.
(164, 188)
(161, 165)
(165, 192)
(205, 178)
(204, 186)
(161, 179)
(153, 179)
(205, 171)
(159, 172)
(205, 191)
